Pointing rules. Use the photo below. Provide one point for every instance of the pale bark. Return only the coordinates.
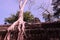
(11, 28)
(19, 22)
(7, 37)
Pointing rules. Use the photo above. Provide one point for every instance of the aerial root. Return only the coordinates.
(21, 30)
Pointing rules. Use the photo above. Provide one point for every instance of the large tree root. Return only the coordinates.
(7, 37)
(19, 23)
(11, 28)
(20, 27)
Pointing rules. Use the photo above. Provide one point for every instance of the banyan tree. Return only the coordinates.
(19, 23)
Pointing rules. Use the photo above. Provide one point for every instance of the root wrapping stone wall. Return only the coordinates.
(43, 31)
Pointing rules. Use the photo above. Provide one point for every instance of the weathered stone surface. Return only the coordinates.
(35, 31)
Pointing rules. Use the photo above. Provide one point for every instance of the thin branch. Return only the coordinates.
(44, 9)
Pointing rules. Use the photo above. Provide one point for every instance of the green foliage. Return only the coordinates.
(27, 17)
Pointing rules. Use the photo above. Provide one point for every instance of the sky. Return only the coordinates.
(8, 7)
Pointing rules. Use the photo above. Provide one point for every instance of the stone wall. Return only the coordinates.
(37, 31)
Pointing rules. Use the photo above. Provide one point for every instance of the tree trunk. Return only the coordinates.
(19, 22)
